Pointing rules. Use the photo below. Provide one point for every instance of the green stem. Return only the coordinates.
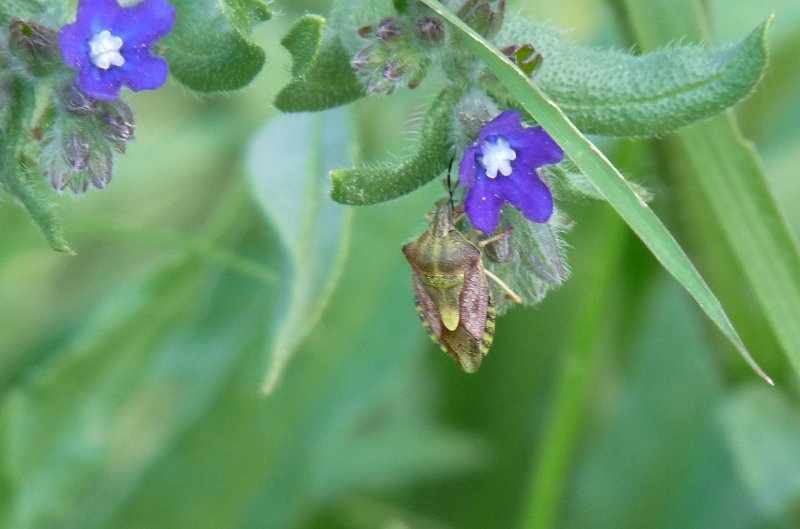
(565, 417)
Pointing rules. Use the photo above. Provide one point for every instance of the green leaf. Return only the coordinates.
(763, 431)
(209, 50)
(15, 176)
(730, 177)
(43, 11)
(323, 77)
(288, 164)
(655, 456)
(604, 176)
(616, 93)
(369, 185)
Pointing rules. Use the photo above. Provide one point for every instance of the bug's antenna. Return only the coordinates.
(449, 183)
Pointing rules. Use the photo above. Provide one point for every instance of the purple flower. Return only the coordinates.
(501, 167)
(109, 45)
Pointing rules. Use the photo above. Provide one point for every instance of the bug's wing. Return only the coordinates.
(427, 310)
(475, 298)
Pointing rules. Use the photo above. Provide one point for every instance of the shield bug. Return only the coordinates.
(451, 290)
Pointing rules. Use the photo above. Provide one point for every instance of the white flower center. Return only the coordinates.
(497, 157)
(104, 50)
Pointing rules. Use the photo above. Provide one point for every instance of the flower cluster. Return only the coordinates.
(501, 166)
(111, 46)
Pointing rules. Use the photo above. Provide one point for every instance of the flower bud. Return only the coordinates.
(101, 168)
(430, 30)
(75, 100)
(35, 45)
(525, 56)
(76, 148)
(118, 121)
(487, 19)
(389, 29)
(393, 70)
(363, 59)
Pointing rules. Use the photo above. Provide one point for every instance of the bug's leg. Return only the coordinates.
(500, 283)
(494, 238)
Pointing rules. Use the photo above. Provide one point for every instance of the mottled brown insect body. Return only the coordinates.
(452, 294)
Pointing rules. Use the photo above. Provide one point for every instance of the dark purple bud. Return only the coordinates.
(393, 70)
(36, 45)
(118, 120)
(431, 30)
(75, 100)
(389, 29)
(76, 148)
(363, 59)
(101, 169)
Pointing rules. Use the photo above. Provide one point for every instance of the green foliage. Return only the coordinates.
(763, 432)
(605, 177)
(209, 49)
(730, 176)
(369, 185)
(44, 11)
(619, 94)
(15, 177)
(294, 154)
(321, 68)
(537, 262)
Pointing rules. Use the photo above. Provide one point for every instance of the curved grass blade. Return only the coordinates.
(608, 180)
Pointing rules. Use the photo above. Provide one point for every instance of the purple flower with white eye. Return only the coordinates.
(501, 167)
(110, 45)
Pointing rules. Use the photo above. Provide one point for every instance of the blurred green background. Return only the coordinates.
(130, 374)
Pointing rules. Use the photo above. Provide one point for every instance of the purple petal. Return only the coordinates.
(528, 193)
(100, 84)
(483, 204)
(73, 46)
(468, 168)
(505, 124)
(144, 23)
(96, 15)
(144, 71)
(534, 148)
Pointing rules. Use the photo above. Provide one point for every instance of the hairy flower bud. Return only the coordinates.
(101, 168)
(75, 100)
(393, 70)
(431, 30)
(363, 59)
(118, 121)
(35, 45)
(389, 29)
(76, 148)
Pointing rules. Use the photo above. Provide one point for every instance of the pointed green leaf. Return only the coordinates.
(616, 93)
(369, 185)
(14, 176)
(729, 175)
(209, 50)
(608, 180)
(323, 77)
(288, 164)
